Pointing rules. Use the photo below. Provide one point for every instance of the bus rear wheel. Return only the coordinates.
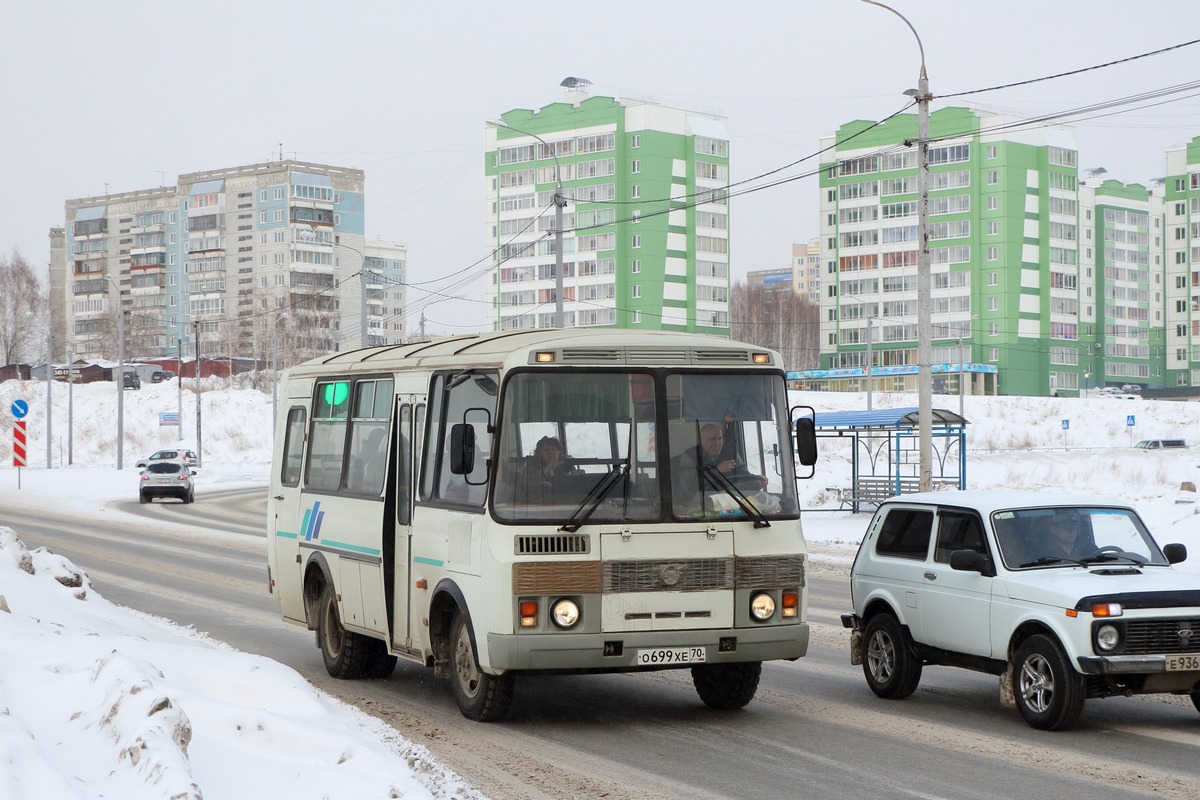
(346, 654)
(727, 685)
(481, 697)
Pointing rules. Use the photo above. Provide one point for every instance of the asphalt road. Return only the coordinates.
(813, 731)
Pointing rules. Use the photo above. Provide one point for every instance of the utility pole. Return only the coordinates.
(120, 375)
(49, 396)
(924, 290)
(196, 339)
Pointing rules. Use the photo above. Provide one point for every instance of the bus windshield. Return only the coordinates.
(575, 447)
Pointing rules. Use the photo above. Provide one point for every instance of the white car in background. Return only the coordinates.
(185, 456)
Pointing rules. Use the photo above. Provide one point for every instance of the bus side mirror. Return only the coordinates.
(806, 441)
(462, 448)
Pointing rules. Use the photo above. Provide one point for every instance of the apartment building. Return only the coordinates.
(645, 239)
(1041, 282)
(228, 261)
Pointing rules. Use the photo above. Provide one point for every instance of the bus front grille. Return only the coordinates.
(674, 575)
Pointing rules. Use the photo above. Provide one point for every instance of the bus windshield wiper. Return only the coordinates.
(594, 498)
(721, 482)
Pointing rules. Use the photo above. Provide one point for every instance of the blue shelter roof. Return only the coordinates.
(885, 418)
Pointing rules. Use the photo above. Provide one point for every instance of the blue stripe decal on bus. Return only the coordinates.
(433, 562)
(287, 535)
(372, 551)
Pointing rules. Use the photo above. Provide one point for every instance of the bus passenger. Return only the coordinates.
(546, 467)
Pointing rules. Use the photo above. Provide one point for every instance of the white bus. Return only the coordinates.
(543, 501)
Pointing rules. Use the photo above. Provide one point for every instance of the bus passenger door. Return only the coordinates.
(286, 521)
(409, 416)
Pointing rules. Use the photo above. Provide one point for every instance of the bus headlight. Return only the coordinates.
(762, 606)
(565, 612)
(1107, 637)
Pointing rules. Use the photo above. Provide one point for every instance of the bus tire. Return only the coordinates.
(727, 686)
(480, 697)
(346, 654)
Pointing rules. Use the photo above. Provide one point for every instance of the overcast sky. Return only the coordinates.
(129, 94)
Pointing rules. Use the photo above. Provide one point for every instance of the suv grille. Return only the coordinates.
(1153, 636)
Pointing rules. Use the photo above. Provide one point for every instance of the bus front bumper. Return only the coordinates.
(619, 651)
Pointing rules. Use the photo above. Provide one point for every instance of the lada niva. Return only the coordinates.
(1065, 597)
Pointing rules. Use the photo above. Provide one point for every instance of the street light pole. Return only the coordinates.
(560, 202)
(924, 301)
(120, 375)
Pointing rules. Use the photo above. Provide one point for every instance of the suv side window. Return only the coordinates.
(905, 533)
(958, 531)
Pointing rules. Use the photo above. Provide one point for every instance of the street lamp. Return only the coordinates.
(120, 375)
(560, 202)
(924, 301)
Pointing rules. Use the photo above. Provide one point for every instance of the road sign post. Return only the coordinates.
(19, 409)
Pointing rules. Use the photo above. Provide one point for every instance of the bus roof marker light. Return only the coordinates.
(545, 357)
(762, 358)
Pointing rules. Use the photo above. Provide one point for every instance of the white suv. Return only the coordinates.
(1065, 597)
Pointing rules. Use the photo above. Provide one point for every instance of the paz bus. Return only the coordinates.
(543, 501)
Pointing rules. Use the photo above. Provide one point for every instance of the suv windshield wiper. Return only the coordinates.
(1044, 560)
(1096, 558)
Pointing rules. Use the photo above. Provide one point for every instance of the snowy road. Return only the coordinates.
(814, 730)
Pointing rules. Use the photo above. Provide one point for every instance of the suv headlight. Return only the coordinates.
(1107, 638)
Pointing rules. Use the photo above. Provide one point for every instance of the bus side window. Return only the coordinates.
(327, 443)
(293, 448)
(368, 436)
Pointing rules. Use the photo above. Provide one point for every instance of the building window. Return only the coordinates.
(993, 177)
(637, 291)
(992, 151)
(262, 217)
(993, 304)
(992, 253)
(635, 191)
(637, 240)
(637, 317)
(279, 215)
(635, 166)
(993, 228)
(993, 278)
(993, 202)
(637, 217)
(993, 329)
(635, 140)
(637, 266)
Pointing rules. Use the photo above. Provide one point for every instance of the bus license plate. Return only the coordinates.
(1181, 663)
(670, 655)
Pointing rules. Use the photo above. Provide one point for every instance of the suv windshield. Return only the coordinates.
(1071, 536)
(579, 448)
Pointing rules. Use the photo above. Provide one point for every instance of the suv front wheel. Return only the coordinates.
(1048, 692)
(891, 669)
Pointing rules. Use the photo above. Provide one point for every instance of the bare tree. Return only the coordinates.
(23, 309)
(779, 320)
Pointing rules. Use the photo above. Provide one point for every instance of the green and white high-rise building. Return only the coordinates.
(646, 226)
(1041, 282)
(1181, 257)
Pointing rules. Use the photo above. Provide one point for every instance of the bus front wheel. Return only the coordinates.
(481, 697)
(726, 685)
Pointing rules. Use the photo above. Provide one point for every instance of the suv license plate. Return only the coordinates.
(670, 655)
(1181, 663)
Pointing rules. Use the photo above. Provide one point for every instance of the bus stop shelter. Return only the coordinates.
(884, 448)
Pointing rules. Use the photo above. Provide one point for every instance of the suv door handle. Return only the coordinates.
(930, 575)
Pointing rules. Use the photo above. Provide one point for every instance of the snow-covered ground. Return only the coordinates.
(100, 701)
